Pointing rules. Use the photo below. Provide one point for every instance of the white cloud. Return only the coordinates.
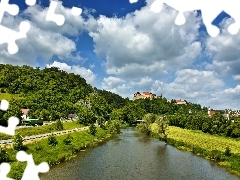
(224, 50)
(236, 77)
(44, 39)
(111, 82)
(144, 43)
(87, 74)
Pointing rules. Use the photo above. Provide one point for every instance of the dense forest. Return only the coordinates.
(52, 93)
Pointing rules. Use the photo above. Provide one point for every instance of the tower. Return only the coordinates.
(209, 110)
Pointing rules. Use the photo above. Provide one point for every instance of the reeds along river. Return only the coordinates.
(131, 155)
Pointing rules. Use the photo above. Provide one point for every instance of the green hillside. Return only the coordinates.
(52, 93)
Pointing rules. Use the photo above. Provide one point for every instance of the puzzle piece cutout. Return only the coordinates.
(231, 7)
(7, 35)
(12, 9)
(12, 121)
(4, 170)
(31, 171)
(133, 1)
(30, 2)
(59, 19)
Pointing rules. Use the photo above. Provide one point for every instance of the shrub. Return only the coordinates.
(68, 140)
(38, 146)
(92, 129)
(17, 142)
(52, 141)
(58, 125)
(3, 155)
(227, 151)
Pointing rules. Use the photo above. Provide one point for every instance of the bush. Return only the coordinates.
(92, 129)
(68, 140)
(3, 155)
(38, 146)
(17, 142)
(52, 141)
(58, 125)
(227, 151)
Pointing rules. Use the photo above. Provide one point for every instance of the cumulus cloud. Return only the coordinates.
(87, 74)
(144, 43)
(224, 50)
(44, 39)
(236, 77)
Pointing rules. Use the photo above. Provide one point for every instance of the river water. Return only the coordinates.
(132, 155)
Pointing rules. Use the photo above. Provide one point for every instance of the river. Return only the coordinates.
(132, 155)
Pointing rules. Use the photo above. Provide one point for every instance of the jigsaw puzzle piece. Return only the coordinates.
(9, 36)
(12, 123)
(231, 7)
(31, 171)
(4, 105)
(12, 9)
(76, 11)
(133, 1)
(4, 170)
(30, 2)
(52, 16)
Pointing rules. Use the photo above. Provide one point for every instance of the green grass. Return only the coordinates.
(211, 147)
(203, 140)
(41, 130)
(55, 154)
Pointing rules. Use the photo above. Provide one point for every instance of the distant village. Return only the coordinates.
(227, 114)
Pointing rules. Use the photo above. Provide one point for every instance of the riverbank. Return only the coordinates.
(222, 150)
(67, 147)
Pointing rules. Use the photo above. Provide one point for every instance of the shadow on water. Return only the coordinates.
(133, 155)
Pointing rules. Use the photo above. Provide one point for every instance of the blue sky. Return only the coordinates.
(124, 48)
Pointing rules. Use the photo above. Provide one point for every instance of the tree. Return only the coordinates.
(17, 142)
(59, 125)
(92, 129)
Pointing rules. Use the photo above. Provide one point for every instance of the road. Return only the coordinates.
(42, 136)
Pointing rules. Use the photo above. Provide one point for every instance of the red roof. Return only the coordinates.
(212, 113)
(179, 100)
(24, 111)
(147, 93)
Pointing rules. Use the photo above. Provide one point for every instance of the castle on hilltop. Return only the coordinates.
(145, 95)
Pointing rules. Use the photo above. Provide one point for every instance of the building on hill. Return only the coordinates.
(210, 111)
(145, 95)
(24, 113)
(180, 101)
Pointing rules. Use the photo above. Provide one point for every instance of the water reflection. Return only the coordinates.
(132, 155)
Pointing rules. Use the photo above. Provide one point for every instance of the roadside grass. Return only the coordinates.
(42, 152)
(41, 130)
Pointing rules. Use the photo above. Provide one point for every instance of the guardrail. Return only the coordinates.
(29, 138)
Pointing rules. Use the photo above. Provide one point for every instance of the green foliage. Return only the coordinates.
(38, 146)
(101, 122)
(227, 151)
(17, 142)
(52, 141)
(59, 125)
(3, 155)
(86, 116)
(68, 140)
(92, 129)
(51, 93)
(114, 126)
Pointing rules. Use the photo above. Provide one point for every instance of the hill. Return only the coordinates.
(50, 93)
